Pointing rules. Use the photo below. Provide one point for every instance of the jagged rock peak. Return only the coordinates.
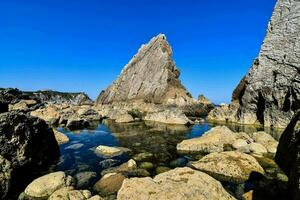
(151, 76)
(269, 94)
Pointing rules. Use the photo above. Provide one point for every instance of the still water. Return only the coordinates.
(160, 140)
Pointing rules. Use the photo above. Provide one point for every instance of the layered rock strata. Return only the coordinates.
(269, 94)
(151, 76)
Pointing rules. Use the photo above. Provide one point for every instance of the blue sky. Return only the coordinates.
(76, 45)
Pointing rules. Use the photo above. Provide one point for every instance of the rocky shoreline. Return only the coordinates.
(220, 164)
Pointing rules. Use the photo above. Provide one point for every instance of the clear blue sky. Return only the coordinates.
(75, 45)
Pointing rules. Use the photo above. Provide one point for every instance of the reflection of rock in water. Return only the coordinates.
(159, 139)
(275, 133)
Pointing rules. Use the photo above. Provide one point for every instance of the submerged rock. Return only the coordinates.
(151, 76)
(107, 151)
(75, 146)
(127, 167)
(180, 183)
(145, 156)
(44, 186)
(146, 165)
(269, 93)
(108, 163)
(230, 166)
(85, 179)
(288, 155)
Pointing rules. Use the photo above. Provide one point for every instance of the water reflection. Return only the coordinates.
(276, 133)
(158, 139)
(141, 137)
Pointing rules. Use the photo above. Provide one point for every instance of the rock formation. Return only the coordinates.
(180, 183)
(49, 96)
(232, 166)
(151, 76)
(12, 97)
(73, 117)
(27, 145)
(270, 92)
(288, 155)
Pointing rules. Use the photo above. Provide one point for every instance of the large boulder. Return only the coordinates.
(109, 184)
(270, 92)
(230, 166)
(27, 143)
(46, 185)
(288, 155)
(180, 183)
(151, 76)
(26, 140)
(212, 141)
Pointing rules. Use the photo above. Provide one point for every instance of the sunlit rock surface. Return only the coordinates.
(269, 94)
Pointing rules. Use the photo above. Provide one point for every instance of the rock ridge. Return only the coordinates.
(151, 76)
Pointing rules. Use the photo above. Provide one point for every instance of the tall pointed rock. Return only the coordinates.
(151, 76)
(270, 92)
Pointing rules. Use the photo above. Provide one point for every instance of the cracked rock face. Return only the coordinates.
(270, 93)
(151, 76)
